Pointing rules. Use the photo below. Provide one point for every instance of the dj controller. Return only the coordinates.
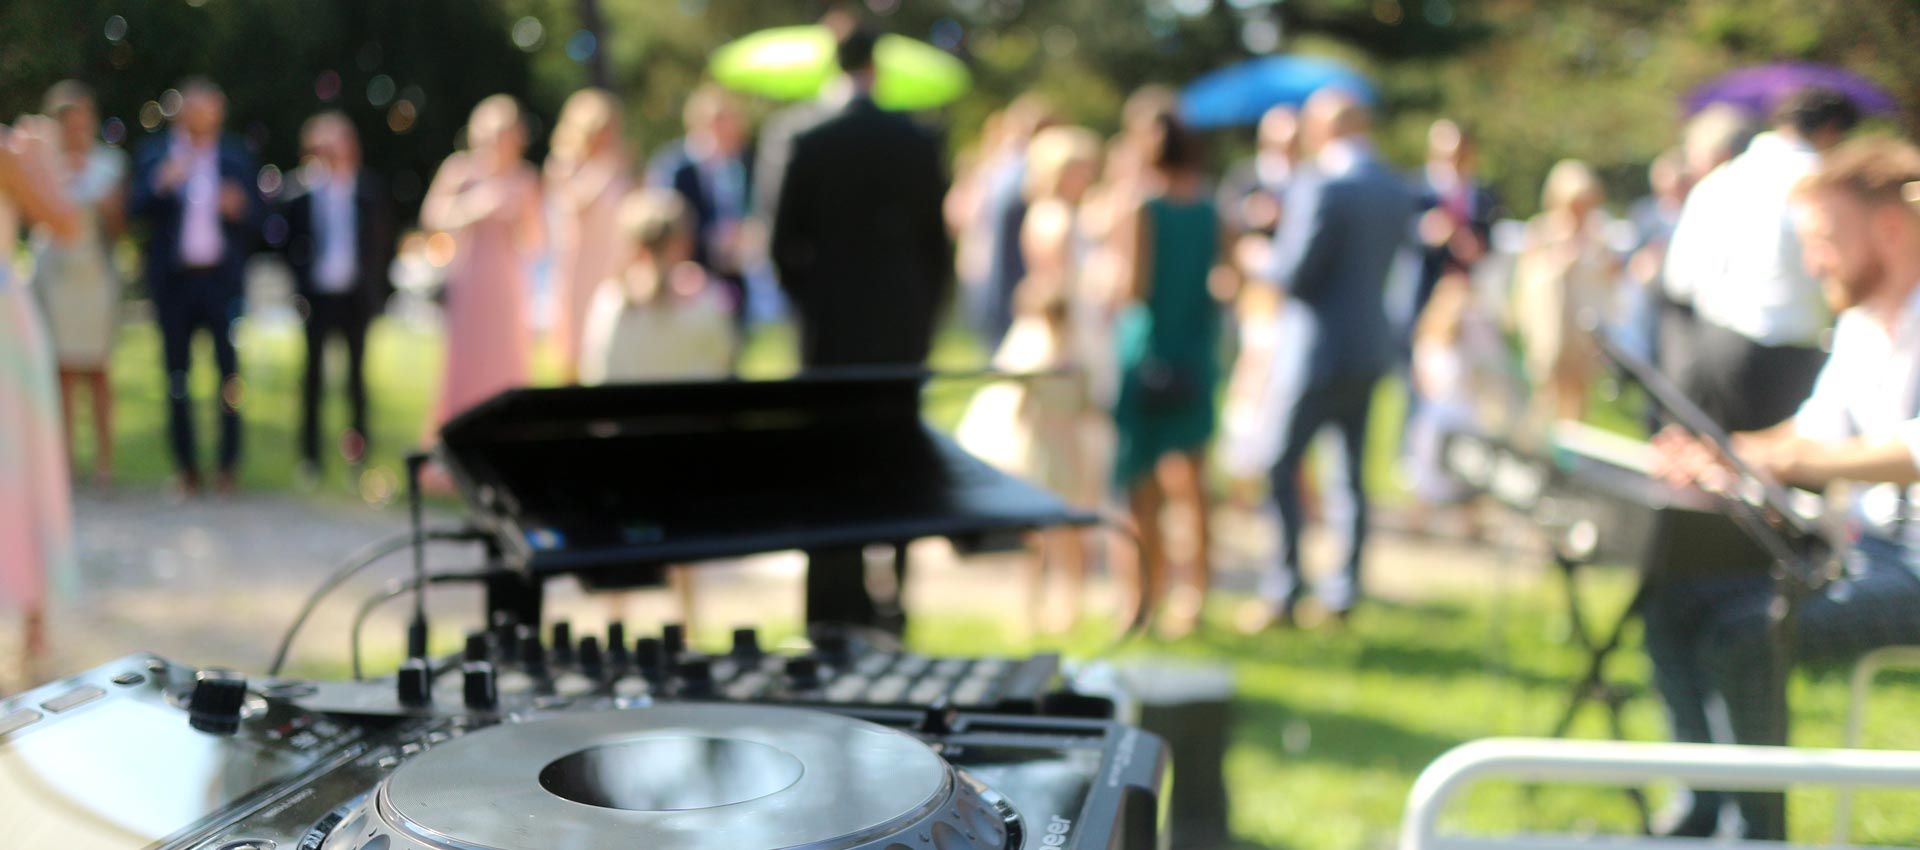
(524, 744)
(537, 738)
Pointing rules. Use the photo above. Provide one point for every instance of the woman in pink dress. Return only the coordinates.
(35, 505)
(587, 175)
(487, 198)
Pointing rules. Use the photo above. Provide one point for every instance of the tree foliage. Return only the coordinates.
(1538, 79)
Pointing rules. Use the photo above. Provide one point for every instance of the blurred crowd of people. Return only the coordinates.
(1162, 317)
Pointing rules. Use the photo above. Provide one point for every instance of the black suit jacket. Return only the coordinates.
(858, 238)
(161, 211)
(373, 241)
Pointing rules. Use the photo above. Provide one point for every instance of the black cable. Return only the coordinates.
(1148, 606)
(365, 557)
(395, 588)
(417, 630)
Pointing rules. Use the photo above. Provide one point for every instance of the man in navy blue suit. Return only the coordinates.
(194, 188)
(1346, 221)
(711, 170)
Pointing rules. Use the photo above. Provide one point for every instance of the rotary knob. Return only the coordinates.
(415, 683)
(746, 644)
(650, 658)
(673, 639)
(593, 663)
(533, 656)
(563, 644)
(480, 686)
(218, 701)
(696, 676)
(618, 658)
(803, 673)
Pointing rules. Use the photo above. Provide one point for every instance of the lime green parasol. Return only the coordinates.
(793, 63)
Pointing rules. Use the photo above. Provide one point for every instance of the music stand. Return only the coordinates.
(611, 484)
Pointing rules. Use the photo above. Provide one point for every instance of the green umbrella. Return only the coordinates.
(793, 63)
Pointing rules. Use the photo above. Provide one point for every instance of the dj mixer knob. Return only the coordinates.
(673, 638)
(593, 663)
(533, 656)
(833, 646)
(617, 656)
(563, 644)
(217, 701)
(803, 673)
(480, 686)
(746, 644)
(650, 659)
(696, 676)
(479, 647)
(415, 682)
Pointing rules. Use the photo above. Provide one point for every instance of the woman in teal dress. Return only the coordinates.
(1167, 342)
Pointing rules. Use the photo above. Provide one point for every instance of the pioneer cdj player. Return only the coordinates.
(145, 754)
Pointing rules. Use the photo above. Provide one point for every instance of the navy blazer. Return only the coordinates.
(1335, 249)
(1483, 209)
(162, 211)
(374, 241)
(674, 169)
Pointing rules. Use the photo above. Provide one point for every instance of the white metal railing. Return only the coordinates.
(1864, 672)
(1732, 768)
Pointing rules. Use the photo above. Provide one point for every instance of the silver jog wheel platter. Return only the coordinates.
(681, 777)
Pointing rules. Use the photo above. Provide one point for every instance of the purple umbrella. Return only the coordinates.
(1761, 88)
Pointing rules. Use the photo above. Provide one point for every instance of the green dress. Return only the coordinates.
(1168, 344)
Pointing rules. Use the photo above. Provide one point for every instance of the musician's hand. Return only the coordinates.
(1682, 459)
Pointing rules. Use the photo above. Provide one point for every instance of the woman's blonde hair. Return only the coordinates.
(491, 115)
(1568, 181)
(586, 114)
(652, 218)
(1053, 152)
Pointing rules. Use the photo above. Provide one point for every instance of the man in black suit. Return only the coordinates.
(339, 241)
(194, 189)
(863, 255)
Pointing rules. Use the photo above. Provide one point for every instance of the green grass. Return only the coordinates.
(1331, 728)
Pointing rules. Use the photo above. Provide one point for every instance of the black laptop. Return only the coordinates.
(628, 478)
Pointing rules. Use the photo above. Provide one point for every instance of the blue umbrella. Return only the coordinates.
(1240, 94)
(1759, 89)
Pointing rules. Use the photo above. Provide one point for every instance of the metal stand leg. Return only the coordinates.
(1593, 685)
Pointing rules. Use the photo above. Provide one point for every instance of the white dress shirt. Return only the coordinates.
(201, 241)
(1870, 389)
(1734, 254)
(336, 233)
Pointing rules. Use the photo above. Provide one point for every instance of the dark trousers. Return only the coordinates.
(1342, 404)
(192, 300)
(1710, 637)
(837, 589)
(344, 316)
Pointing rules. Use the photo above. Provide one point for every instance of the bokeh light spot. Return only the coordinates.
(1192, 8)
(1439, 12)
(947, 34)
(326, 86)
(377, 486)
(170, 103)
(116, 29)
(271, 180)
(1260, 35)
(401, 117)
(151, 116)
(528, 33)
(1059, 41)
(883, 7)
(380, 90)
(1387, 12)
(114, 131)
(581, 45)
